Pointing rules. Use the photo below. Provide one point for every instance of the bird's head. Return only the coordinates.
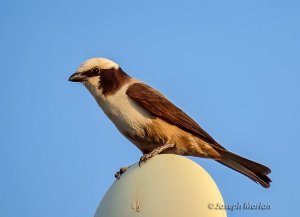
(92, 68)
(100, 73)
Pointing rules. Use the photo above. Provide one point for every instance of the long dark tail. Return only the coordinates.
(255, 171)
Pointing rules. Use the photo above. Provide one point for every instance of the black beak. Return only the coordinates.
(77, 77)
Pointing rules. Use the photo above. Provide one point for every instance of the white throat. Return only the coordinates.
(127, 115)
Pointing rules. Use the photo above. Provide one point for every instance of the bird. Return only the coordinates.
(153, 123)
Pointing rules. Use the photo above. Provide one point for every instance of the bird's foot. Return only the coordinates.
(146, 157)
(120, 172)
(156, 151)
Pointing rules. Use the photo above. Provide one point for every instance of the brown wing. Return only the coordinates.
(158, 105)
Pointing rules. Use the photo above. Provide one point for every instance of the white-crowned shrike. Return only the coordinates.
(153, 123)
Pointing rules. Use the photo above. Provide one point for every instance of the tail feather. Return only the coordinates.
(255, 171)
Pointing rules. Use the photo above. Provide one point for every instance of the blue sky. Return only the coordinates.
(231, 65)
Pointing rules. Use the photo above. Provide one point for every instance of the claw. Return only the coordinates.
(120, 172)
(156, 151)
(142, 159)
(146, 157)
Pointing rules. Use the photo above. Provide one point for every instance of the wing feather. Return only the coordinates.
(158, 105)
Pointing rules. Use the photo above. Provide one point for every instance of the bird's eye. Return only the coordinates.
(95, 70)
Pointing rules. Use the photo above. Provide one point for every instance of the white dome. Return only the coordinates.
(166, 186)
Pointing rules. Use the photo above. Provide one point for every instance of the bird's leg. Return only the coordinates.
(120, 172)
(156, 151)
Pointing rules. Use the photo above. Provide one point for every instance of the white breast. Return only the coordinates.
(127, 115)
